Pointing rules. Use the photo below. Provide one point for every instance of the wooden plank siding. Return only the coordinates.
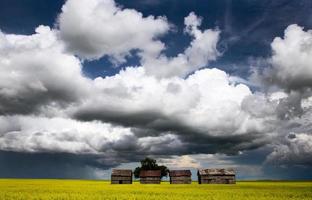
(180, 177)
(180, 180)
(216, 176)
(150, 180)
(121, 176)
(150, 177)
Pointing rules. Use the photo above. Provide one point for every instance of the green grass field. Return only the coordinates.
(16, 189)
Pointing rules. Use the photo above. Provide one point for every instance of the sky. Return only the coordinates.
(91, 85)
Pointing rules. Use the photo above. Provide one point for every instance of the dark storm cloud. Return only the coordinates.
(148, 119)
(29, 102)
(290, 106)
(49, 165)
(147, 124)
(288, 173)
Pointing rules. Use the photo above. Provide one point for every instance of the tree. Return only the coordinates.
(150, 164)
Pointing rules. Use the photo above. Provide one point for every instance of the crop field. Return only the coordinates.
(16, 189)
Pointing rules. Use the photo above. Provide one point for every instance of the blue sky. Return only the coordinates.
(201, 83)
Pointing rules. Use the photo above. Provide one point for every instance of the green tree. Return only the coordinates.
(150, 164)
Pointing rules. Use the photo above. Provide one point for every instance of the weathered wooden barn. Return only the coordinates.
(216, 176)
(180, 176)
(121, 176)
(150, 176)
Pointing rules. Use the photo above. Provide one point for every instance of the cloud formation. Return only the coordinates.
(292, 59)
(167, 106)
(40, 134)
(296, 150)
(93, 29)
(166, 103)
(290, 72)
(35, 72)
(201, 51)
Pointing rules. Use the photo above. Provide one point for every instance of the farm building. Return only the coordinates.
(121, 176)
(180, 176)
(150, 176)
(216, 176)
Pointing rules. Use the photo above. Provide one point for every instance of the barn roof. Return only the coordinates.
(177, 173)
(150, 173)
(122, 172)
(216, 172)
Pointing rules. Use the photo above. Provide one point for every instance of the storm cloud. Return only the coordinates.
(53, 116)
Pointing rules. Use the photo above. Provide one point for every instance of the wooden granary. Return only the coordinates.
(121, 176)
(216, 176)
(180, 176)
(150, 176)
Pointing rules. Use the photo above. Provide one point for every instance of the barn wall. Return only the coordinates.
(217, 180)
(150, 180)
(180, 180)
(121, 180)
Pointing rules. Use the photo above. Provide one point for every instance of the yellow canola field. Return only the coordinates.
(17, 189)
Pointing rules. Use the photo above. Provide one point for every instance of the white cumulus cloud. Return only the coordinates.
(95, 28)
(35, 71)
(292, 59)
(203, 48)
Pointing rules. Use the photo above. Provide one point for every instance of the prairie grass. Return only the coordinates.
(18, 189)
